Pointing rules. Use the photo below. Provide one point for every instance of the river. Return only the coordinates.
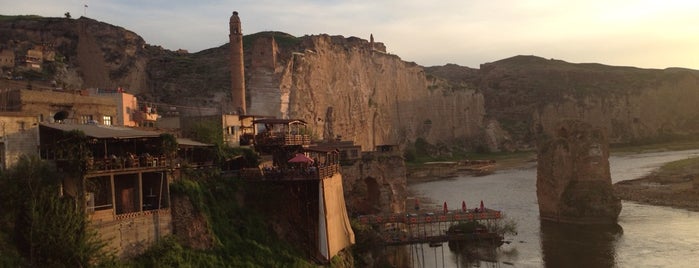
(646, 236)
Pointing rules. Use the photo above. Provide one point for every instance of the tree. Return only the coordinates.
(50, 230)
(67, 15)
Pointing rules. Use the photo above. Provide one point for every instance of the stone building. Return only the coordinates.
(232, 126)
(18, 136)
(67, 107)
(7, 58)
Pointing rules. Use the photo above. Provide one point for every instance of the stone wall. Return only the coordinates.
(132, 235)
(19, 136)
(46, 104)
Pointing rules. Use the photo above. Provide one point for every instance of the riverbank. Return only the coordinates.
(675, 184)
(476, 165)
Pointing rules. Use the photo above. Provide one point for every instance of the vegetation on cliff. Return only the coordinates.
(242, 237)
(38, 226)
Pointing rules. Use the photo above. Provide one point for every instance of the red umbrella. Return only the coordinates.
(301, 158)
(463, 206)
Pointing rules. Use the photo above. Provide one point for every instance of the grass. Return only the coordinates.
(679, 168)
(683, 143)
(500, 157)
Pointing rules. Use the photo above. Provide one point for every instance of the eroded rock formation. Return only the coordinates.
(573, 180)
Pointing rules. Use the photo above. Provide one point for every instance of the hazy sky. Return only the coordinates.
(647, 34)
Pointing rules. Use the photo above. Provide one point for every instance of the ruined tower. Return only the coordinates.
(237, 64)
(573, 181)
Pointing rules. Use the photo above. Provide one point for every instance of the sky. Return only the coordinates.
(640, 33)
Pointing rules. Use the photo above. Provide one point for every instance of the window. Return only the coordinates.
(85, 119)
(230, 130)
(99, 193)
(107, 120)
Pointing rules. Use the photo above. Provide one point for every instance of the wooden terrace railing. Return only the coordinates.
(310, 173)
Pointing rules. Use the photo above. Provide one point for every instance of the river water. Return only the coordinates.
(646, 236)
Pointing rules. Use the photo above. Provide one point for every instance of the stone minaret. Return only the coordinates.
(237, 65)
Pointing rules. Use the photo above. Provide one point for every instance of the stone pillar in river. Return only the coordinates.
(573, 182)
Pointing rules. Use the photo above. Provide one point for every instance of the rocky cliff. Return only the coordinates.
(88, 53)
(527, 95)
(352, 88)
(374, 98)
(573, 182)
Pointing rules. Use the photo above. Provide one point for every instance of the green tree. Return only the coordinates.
(50, 230)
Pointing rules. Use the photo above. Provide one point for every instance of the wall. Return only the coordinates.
(131, 236)
(19, 137)
(47, 103)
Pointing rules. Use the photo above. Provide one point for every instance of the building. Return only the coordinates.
(7, 58)
(66, 107)
(18, 136)
(124, 178)
(232, 127)
(129, 113)
(34, 58)
(316, 202)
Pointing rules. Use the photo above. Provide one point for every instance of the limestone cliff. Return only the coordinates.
(351, 87)
(375, 98)
(573, 181)
(527, 95)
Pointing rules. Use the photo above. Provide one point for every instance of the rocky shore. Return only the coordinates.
(676, 184)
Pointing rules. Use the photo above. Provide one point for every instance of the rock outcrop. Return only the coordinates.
(375, 184)
(573, 181)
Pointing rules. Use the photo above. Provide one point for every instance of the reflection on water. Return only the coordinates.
(646, 236)
(572, 245)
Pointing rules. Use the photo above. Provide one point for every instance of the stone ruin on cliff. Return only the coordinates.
(573, 181)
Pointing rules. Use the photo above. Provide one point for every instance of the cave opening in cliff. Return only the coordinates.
(373, 198)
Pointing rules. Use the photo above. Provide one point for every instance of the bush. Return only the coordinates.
(50, 230)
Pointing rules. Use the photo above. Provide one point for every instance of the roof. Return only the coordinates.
(321, 149)
(276, 121)
(104, 132)
(188, 142)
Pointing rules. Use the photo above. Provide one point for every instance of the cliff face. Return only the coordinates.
(88, 53)
(343, 87)
(352, 88)
(528, 95)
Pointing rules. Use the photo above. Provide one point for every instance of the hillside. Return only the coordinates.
(348, 87)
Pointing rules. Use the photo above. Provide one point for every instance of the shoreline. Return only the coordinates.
(666, 186)
(675, 184)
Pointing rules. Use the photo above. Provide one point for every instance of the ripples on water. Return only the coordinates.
(647, 236)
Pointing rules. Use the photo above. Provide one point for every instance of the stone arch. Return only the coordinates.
(373, 198)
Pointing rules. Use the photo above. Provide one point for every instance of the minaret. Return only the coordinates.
(237, 64)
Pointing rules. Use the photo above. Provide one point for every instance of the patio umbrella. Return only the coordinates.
(301, 158)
